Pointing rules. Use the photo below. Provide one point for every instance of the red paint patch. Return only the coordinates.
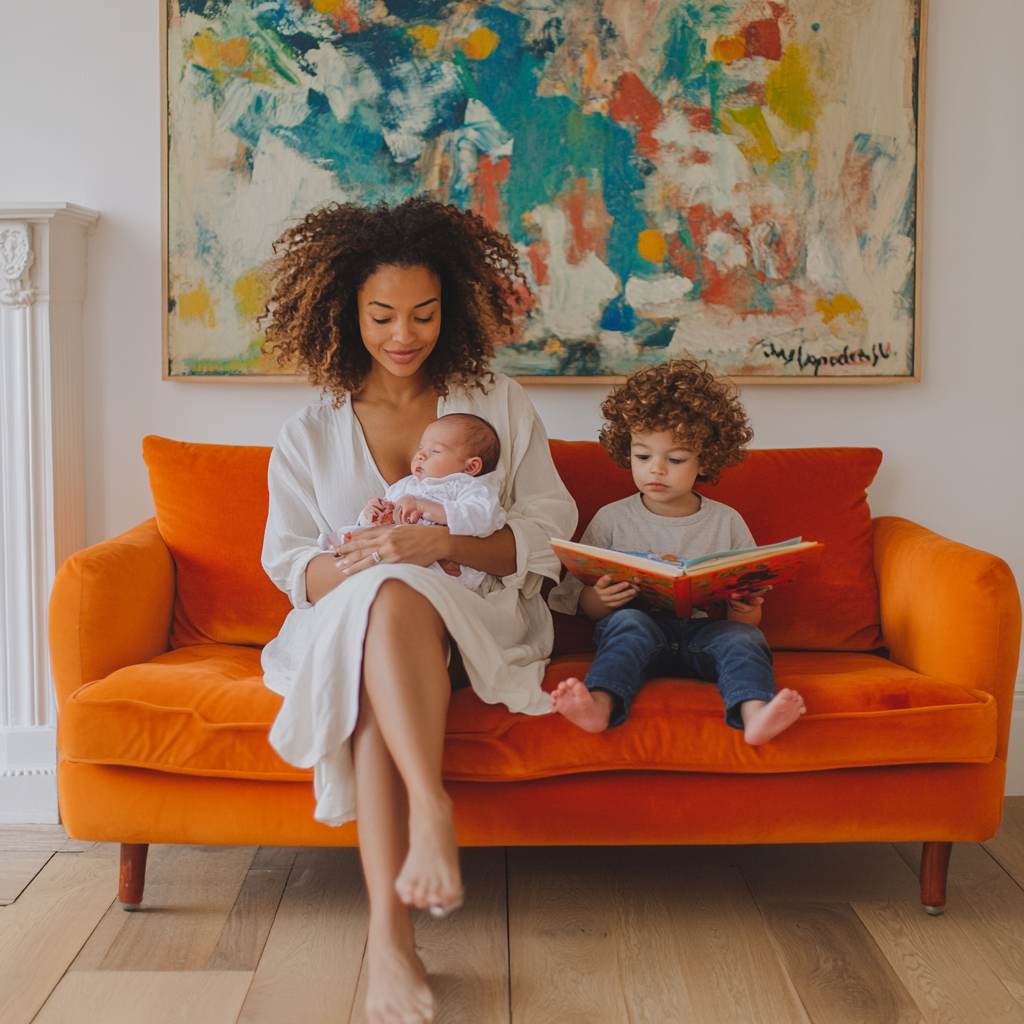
(764, 39)
(486, 199)
(589, 221)
(734, 289)
(699, 118)
(688, 262)
(538, 254)
(633, 103)
(757, 93)
(855, 183)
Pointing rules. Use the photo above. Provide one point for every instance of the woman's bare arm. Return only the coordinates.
(495, 554)
(322, 576)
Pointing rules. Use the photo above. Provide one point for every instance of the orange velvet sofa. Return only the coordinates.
(903, 644)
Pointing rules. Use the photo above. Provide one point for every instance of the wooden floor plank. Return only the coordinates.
(102, 938)
(562, 944)
(32, 838)
(190, 891)
(245, 932)
(43, 931)
(821, 872)
(17, 869)
(466, 955)
(837, 968)
(310, 963)
(1007, 846)
(692, 943)
(939, 966)
(989, 908)
(147, 997)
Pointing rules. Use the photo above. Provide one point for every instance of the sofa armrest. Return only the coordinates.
(111, 606)
(949, 611)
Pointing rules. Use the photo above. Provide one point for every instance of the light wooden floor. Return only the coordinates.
(759, 934)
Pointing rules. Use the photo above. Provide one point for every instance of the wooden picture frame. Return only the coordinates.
(728, 254)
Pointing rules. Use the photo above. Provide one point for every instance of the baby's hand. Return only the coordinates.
(411, 510)
(375, 510)
(615, 595)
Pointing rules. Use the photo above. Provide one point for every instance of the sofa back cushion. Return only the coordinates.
(817, 493)
(211, 508)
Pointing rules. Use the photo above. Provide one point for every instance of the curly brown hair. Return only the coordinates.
(702, 411)
(312, 317)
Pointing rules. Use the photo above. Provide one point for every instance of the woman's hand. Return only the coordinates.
(414, 545)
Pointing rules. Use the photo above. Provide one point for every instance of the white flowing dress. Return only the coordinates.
(321, 475)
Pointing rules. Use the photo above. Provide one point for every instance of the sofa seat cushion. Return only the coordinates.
(203, 710)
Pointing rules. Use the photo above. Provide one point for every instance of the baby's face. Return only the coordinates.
(444, 450)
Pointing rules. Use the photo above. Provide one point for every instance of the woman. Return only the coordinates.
(394, 313)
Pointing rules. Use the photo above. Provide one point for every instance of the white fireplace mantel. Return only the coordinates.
(42, 478)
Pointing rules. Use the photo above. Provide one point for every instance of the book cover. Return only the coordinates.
(680, 586)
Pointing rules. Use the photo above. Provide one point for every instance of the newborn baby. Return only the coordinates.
(446, 488)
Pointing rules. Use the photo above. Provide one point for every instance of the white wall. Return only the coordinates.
(80, 122)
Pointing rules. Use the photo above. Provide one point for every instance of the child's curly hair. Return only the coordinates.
(312, 318)
(702, 411)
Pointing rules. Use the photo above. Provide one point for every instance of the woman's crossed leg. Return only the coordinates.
(407, 839)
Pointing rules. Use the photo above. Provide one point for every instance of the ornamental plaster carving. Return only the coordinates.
(15, 259)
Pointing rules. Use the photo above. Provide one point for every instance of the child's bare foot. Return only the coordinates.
(588, 709)
(398, 991)
(762, 722)
(430, 875)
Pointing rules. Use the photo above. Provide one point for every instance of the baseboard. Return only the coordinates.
(1015, 755)
(28, 776)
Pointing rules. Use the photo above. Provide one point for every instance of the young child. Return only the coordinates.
(672, 425)
(446, 488)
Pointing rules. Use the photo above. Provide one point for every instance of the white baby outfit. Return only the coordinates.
(471, 506)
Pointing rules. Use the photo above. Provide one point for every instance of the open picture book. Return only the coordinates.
(680, 585)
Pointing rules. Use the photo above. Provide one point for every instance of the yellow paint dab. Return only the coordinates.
(788, 89)
(326, 6)
(480, 43)
(205, 50)
(764, 148)
(553, 345)
(197, 305)
(728, 49)
(841, 305)
(251, 292)
(651, 245)
(425, 35)
(234, 51)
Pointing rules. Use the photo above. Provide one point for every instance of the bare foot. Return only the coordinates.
(765, 721)
(397, 991)
(589, 710)
(430, 875)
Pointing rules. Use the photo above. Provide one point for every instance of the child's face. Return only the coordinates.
(663, 469)
(443, 450)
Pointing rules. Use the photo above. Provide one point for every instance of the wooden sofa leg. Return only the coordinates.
(133, 875)
(934, 868)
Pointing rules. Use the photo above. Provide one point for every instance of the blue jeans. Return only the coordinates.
(634, 646)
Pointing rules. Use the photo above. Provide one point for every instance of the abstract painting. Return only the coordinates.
(729, 180)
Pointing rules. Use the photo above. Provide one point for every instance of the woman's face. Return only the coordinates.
(400, 317)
